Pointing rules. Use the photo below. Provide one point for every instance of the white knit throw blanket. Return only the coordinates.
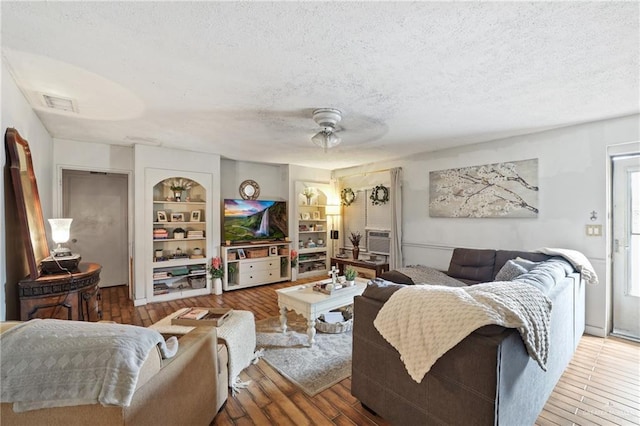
(577, 259)
(54, 363)
(239, 335)
(423, 322)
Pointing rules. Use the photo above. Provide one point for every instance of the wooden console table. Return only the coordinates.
(74, 296)
(360, 265)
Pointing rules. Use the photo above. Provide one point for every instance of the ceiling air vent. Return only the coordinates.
(59, 103)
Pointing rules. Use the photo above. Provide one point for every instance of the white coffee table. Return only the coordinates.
(311, 304)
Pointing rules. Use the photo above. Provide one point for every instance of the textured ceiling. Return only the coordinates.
(241, 79)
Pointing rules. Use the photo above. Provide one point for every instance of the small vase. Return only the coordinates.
(350, 283)
(356, 252)
(294, 274)
(177, 195)
(217, 286)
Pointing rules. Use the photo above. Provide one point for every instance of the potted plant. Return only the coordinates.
(179, 185)
(309, 192)
(350, 275)
(216, 271)
(355, 238)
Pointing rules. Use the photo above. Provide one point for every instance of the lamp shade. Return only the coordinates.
(60, 230)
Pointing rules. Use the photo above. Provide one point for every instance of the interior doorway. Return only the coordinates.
(626, 246)
(98, 204)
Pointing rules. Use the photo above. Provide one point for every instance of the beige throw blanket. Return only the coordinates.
(239, 334)
(424, 322)
(54, 363)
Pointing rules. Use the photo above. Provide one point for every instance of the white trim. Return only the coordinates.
(139, 302)
(595, 331)
(57, 208)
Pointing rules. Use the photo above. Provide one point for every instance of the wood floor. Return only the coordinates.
(601, 386)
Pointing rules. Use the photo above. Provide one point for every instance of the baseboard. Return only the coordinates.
(139, 302)
(595, 331)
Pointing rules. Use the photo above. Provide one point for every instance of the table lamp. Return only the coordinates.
(60, 232)
(61, 259)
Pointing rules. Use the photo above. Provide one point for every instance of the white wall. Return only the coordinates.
(272, 179)
(88, 156)
(573, 180)
(17, 113)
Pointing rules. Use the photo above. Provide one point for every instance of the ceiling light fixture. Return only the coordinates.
(327, 119)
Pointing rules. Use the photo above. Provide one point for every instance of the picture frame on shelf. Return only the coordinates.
(161, 216)
(273, 250)
(241, 254)
(316, 215)
(305, 216)
(195, 216)
(177, 217)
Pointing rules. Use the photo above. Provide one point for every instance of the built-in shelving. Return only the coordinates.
(311, 229)
(178, 261)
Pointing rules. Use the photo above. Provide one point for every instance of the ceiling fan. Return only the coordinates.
(327, 119)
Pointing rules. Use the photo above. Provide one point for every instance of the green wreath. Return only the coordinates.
(347, 196)
(379, 195)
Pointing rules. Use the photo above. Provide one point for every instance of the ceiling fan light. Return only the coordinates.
(326, 139)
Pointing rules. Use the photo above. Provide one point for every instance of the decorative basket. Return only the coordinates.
(197, 282)
(257, 252)
(334, 328)
(283, 250)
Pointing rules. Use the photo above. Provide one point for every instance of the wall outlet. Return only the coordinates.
(593, 230)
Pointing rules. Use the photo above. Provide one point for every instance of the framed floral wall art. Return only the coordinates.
(508, 190)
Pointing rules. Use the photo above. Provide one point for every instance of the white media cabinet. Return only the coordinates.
(249, 265)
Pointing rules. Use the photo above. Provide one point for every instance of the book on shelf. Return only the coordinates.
(158, 275)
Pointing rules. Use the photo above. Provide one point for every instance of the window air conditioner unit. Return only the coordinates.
(379, 242)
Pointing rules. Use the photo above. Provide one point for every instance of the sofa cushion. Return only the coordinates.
(526, 264)
(381, 290)
(509, 271)
(472, 264)
(503, 255)
(396, 277)
(547, 274)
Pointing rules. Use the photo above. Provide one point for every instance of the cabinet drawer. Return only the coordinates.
(260, 265)
(259, 277)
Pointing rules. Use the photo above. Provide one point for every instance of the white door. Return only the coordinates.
(97, 202)
(626, 246)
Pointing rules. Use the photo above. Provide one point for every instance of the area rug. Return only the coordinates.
(312, 369)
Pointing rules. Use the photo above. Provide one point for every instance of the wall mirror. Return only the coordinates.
(249, 190)
(27, 201)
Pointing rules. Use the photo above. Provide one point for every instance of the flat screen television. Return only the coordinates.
(250, 220)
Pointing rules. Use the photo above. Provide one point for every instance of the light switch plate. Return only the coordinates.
(593, 230)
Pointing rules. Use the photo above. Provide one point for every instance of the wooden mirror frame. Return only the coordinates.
(25, 188)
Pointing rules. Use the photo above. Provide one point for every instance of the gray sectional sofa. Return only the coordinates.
(487, 378)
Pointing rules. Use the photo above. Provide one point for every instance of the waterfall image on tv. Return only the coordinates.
(246, 220)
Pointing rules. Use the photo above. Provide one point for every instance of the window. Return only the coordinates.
(362, 215)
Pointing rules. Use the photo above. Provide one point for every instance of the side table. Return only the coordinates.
(361, 266)
(74, 296)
